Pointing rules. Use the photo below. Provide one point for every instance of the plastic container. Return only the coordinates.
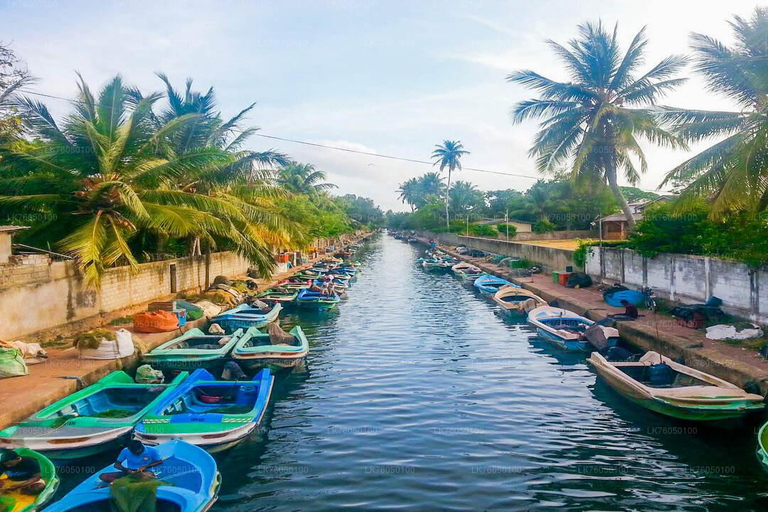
(555, 278)
(562, 277)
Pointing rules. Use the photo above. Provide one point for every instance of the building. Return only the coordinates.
(6, 242)
(615, 226)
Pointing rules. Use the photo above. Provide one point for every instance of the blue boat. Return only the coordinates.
(310, 299)
(489, 285)
(570, 331)
(190, 472)
(245, 317)
(212, 414)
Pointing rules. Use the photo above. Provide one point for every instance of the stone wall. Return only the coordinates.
(687, 279)
(550, 235)
(61, 297)
(550, 258)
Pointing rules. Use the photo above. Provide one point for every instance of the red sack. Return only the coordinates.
(155, 321)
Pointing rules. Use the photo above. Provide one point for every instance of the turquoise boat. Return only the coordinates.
(282, 295)
(245, 317)
(212, 414)
(310, 299)
(488, 285)
(256, 350)
(191, 475)
(15, 501)
(193, 349)
(89, 421)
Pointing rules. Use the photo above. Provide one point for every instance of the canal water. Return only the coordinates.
(417, 396)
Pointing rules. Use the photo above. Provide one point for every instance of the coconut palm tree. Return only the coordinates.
(408, 192)
(303, 179)
(733, 172)
(465, 197)
(592, 123)
(448, 156)
(90, 180)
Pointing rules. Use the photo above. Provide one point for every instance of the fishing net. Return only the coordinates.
(277, 336)
(135, 493)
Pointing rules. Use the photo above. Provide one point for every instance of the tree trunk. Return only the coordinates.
(613, 183)
(447, 191)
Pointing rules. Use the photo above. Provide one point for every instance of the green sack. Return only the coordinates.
(11, 363)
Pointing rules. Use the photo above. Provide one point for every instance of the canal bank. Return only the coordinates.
(653, 331)
(64, 372)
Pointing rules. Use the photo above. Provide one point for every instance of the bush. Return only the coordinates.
(502, 228)
(544, 226)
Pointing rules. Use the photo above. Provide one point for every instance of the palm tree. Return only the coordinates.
(430, 187)
(592, 123)
(408, 192)
(303, 179)
(732, 173)
(90, 179)
(448, 155)
(465, 197)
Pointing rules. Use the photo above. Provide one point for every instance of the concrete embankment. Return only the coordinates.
(654, 331)
(64, 372)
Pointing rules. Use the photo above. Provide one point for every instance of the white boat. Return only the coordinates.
(466, 272)
(673, 389)
(570, 331)
(517, 301)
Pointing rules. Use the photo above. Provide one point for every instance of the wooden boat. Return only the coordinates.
(762, 446)
(89, 421)
(664, 386)
(245, 317)
(489, 285)
(282, 295)
(569, 331)
(310, 299)
(193, 349)
(258, 350)
(513, 300)
(295, 284)
(212, 414)
(467, 272)
(436, 265)
(191, 475)
(31, 503)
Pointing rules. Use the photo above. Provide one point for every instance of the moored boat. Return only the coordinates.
(89, 421)
(209, 413)
(263, 349)
(282, 295)
(189, 476)
(570, 331)
(311, 299)
(489, 285)
(436, 265)
(513, 300)
(16, 501)
(245, 317)
(193, 349)
(673, 389)
(467, 272)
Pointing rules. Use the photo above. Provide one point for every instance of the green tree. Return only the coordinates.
(409, 192)
(592, 122)
(732, 173)
(448, 156)
(303, 179)
(13, 76)
(465, 198)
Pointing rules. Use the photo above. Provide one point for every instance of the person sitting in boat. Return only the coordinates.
(19, 473)
(134, 459)
(630, 311)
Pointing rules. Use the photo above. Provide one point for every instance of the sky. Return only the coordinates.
(385, 76)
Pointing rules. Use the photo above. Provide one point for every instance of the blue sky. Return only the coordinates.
(394, 77)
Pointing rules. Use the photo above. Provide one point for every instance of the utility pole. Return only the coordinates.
(467, 224)
(506, 222)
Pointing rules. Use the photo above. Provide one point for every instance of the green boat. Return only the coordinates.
(255, 350)
(194, 349)
(89, 421)
(283, 296)
(19, 502)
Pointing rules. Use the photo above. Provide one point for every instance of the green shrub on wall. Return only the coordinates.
(504, 228)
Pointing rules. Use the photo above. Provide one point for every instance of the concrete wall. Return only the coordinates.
(687, 279)
(63, 297)
(550, 258)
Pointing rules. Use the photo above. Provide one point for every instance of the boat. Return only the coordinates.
(673, 389)
(467, 272)
(309, 298)
(190, 472)
(89, 421)
(282, 295)
(245, 317)
(257, 350)
(570, 331)
(489, 285)
(295, 284)
(21, 502)
(193, 349)
(436, 265)
(762, 446)
(513, 300)
(212, 414)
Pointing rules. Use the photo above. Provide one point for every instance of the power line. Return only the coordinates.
(346, 150)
